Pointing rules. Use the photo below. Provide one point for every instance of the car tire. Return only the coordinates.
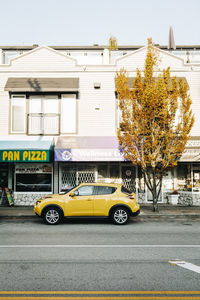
(120, 216)
(52, 215)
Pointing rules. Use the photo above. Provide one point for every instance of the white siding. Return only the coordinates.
(43, 59)
(4, 114)
(96, 108)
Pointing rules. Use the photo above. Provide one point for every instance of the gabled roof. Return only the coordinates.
(37, 49)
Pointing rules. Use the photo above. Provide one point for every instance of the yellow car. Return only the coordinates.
(89, 199)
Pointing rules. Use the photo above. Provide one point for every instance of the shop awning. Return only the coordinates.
(25, 150)
(192, 150)
(90, 148)
(106, 148)
(17, 84)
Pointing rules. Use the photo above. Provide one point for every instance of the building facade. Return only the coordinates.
(59, 117)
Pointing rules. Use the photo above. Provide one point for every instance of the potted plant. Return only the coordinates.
(173, 197)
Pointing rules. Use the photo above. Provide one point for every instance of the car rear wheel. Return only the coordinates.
(120, 216)
(53, 215)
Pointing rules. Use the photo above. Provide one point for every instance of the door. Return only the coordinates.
(103, 199)
(81, 204)
(3, 184)
(128, 174)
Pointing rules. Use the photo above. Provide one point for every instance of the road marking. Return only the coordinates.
(99, 292)
(105, 298)
(185, 264)
(99, 246)
(122, 295)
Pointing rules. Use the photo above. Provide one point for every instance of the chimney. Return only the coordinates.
(171, 44)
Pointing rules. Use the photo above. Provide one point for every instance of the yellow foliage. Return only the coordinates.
(156, 116)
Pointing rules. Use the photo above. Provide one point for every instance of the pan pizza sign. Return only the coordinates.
(24, 155)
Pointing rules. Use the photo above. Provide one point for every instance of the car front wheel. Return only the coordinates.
(120, 216)
(52, 216)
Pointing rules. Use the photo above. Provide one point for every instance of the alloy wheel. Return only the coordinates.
(52, 216)
(120, 216)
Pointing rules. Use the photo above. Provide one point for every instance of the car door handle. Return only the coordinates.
(89, 199)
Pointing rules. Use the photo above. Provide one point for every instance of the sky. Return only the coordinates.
(88, 22)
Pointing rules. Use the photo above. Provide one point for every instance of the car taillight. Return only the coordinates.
(46, 197)
(131, 197)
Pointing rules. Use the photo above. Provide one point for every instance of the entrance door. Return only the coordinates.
(128, 174)
(3, 183)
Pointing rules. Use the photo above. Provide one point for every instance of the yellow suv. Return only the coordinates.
(89, 199)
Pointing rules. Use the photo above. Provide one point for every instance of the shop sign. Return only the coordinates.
(24, 155)
(88, 155)
(27, 169)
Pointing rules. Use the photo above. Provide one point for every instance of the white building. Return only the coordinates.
(59, 116)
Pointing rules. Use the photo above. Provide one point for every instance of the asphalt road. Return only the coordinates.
(94, 255)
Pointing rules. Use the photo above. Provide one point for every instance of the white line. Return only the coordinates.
(186, 265)
(99, 246)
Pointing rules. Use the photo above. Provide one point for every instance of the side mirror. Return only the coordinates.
(72, 194)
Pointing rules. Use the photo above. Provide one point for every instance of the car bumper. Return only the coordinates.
(136, 213)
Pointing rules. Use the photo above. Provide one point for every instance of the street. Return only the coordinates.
(94, 255)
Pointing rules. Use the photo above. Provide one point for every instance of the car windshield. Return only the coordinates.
(125, 191)
(67, 190)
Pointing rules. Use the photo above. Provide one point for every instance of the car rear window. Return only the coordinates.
(125, 191)
(104, 190)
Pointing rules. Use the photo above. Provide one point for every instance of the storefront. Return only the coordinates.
(26, 169)
(99, 159)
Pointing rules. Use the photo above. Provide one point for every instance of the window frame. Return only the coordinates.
(93, 186)
(98, 186)
(62, 131)
(42, 114)
(33, 165)
(22, 96)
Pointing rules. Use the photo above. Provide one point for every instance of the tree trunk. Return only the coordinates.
(155, 198)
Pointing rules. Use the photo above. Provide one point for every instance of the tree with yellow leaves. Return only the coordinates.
(156, 120)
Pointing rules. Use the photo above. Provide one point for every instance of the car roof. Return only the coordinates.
(102, 184)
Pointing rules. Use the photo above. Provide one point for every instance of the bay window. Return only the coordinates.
(44, 114)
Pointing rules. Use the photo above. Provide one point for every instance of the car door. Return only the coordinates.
(103, 196)
(81, 204)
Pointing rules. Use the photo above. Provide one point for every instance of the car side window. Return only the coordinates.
(105, 190)
(86, 190)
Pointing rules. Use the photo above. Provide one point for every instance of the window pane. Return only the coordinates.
(35, 105)
(184, 182)
(50, 105)
(196, 177)
(85, 190)
(68, 109)
(105, 190)
(18, 114)
(125, 191)
(51, 124)
(33, 182)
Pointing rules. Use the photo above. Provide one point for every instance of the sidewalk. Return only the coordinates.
(165, 210)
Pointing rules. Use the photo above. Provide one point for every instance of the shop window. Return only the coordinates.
(18, 109)
(141, 183)
(33, 182)
(184, 182)
(114, 172)
(102, 172)
(43, 117)
(33, 178)
(68, 117)
(196, 177)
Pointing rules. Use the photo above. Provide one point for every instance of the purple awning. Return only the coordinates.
(90, 148)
